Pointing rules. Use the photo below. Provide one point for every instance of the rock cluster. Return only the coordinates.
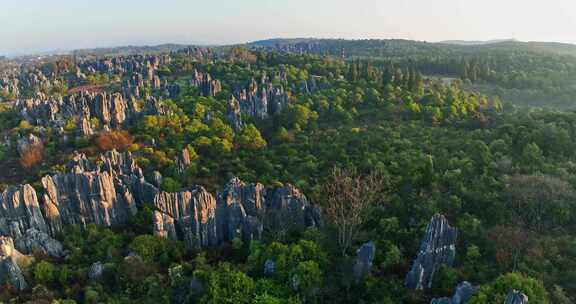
(105, 195)
(10, 272)
(464, 292)
(257, 99)
(109, 193)
(516, 297)
(20, 211)
(437, 248)
(207, 85)
(110, 110)
(241, 211)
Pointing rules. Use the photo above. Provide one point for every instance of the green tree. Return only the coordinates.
(251, 139)
(496, 292)
(45, 272)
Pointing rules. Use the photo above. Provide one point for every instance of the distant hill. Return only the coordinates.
(391, 48)
(476, 42)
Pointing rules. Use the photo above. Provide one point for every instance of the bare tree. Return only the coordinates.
(348, 197)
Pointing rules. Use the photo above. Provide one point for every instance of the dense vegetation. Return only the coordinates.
(503, 176)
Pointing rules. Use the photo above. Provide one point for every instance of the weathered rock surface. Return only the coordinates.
(188, 215)
(256, 100)
(516, 297)
(207, 85)
(364, 259)
(105, 195)
(269, 267)
(39, 241)
(96, 271)
(82, 197)
(239, 211)
(111, 110)
(437, 248)
(289, 208)
(234, 114)
(464, 292)
(10, 272)
(20, 211)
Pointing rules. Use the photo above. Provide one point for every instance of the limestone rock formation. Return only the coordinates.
(235, 114)
(82, 197)
(239, 206)
(257, 100)
(269, 267)
(183, 161)
(364, 259)
(516, 297)
(464, 292)
(188, 215)
(10, 272)
(289, 208)
(111, 110)
(207, 85)
(38, 241)
(239, 211)
(96, 271)
(437, 248)
(105, 195)
(20, 211)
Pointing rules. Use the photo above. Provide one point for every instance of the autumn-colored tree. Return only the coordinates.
(119, 140)
(349, 195)
(32, 156)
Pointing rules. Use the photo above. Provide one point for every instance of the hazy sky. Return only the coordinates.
(37, 25)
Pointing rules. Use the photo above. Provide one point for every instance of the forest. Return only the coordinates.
(363, 168)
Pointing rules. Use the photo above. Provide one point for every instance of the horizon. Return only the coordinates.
(37, 26)
(46, 52)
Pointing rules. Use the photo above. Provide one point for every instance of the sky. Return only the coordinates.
(28, 26)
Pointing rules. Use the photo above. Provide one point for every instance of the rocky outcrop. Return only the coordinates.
(288, 208)
(241, 211)
(183, 161)
(82, 197)
(188, 215)
(437, 248)
(364, 259)
(234, 114)
(256, 100)
(207, 85)
(20, 211)
(10, 272)
(96, 271)
(516, 297)
(240, 206)
(464, 292)
(110, 110)
(35, 241)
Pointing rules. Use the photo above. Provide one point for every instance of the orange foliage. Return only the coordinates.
(32, 157)
(119, 140)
